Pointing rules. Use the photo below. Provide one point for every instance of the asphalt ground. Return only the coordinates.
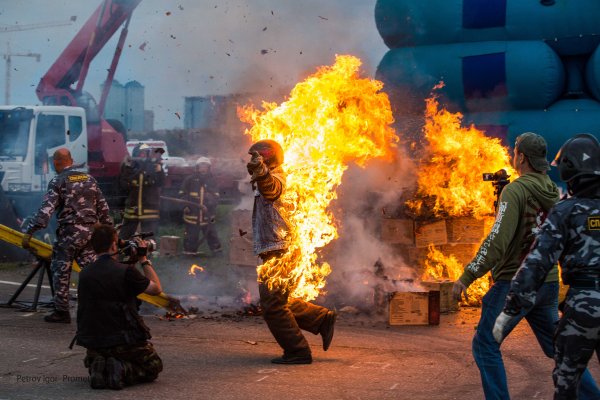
(220, 354)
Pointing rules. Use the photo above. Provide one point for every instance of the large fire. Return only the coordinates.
(332, 118)
(451, 172)
(452, 176)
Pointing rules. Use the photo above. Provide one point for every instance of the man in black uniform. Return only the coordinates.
(200, 188)
(79, 204)
(108, 323)
(142, 176)
(570, 235)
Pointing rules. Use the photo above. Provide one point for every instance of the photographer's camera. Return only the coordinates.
(138, 246)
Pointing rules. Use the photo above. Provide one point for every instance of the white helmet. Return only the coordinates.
(203, 160)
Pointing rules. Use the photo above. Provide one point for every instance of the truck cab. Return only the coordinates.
(29, 135)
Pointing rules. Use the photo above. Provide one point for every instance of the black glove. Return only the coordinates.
(257, 167)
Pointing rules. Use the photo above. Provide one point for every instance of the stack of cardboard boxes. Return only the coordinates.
(240, 242)
(457, 237)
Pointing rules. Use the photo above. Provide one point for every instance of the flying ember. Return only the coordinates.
(332, 118)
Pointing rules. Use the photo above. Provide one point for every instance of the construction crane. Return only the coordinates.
(11, 28)
(8, 57)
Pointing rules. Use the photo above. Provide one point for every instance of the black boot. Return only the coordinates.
(97, 372)
(61, 317)
(295, 359)
(326, 329)
(115, 373)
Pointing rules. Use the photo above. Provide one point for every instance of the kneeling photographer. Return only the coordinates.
(108, 323)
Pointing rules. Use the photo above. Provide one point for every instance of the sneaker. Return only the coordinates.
(97, 373)
(326, 329)
(115, 374)
(190, 253)
(61, 317)
(285, 359)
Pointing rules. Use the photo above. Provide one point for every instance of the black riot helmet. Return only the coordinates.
(271, 152)
(579, 156)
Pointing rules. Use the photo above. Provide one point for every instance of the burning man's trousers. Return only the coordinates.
(285, 317)
(191, 239)
(72, 243)
(141, 362)
(542, 318)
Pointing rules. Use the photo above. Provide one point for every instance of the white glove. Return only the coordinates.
(500, 326)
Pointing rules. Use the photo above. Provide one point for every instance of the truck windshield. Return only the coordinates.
(14, 132)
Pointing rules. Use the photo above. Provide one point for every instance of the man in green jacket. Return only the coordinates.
(522, 207)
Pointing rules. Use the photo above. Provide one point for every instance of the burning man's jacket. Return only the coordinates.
(522, 208)
(107, 313)
(76, 198)
(571, 236)
(202, 190)
(143, 179)
(269, 229)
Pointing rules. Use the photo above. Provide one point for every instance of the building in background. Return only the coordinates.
(125, 103)
(213, 113)
(148, 121)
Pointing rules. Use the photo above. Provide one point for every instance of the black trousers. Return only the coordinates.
(191, 239)
(129, 227)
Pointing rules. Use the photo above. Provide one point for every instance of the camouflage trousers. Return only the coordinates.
(140, 361)
(72, 243)
(576, 339)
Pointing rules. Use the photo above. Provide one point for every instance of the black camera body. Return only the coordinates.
(496, 176)
(499, 179)
(131, 250)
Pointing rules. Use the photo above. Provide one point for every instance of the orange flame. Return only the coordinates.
(456, 160)
(439, 266)
(332, 118)
(193, 268)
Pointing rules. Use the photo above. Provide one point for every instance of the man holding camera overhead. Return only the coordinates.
(79, 204)
(108, 323)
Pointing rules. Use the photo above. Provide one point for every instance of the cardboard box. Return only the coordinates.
(414, 308)
(169, 245)
(398, 231)
(427, 233)
(465, 230)
(447, 303)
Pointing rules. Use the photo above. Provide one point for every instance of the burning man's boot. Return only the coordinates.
(62, 317)
(326, 329)
(293, 359)
(115, 374)
(97, 373)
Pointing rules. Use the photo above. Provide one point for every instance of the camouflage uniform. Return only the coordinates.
(79, 203)
(570, 235)
(141, 362)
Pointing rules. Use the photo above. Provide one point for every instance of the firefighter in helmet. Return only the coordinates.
(201, 191)
(142, 176)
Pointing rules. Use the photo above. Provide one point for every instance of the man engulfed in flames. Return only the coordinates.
(330, 119)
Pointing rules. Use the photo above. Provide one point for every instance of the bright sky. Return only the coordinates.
(196, 47)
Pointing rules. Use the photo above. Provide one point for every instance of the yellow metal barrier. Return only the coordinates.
(44, 251)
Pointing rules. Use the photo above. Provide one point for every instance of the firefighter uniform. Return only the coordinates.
(79, 204)
(143, 178)
(201, 190)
